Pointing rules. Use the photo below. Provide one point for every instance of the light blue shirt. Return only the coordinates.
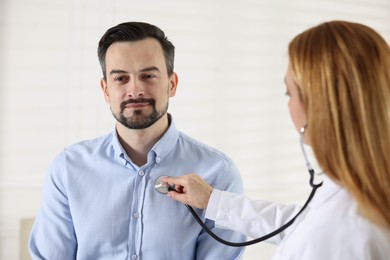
(97, 204)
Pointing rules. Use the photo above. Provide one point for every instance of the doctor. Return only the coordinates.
(338, 84)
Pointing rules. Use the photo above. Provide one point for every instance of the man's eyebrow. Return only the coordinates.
(117, 71)
(152, 68)
(114, 71)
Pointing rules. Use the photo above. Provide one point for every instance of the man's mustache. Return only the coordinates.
(150, 101)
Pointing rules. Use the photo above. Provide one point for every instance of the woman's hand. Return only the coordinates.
(190, 189)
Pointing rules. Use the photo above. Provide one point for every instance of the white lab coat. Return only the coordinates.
(330, 227)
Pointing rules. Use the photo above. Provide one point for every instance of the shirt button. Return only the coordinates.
(141, 173)
(136, 215)
(134, 257)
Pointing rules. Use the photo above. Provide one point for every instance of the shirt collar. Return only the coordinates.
(119, 151)
(166, 142)
(159, 151)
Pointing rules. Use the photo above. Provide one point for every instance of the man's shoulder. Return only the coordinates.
(189, 142)
(89, 145)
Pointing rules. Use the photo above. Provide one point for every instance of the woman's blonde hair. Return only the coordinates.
(342, 71)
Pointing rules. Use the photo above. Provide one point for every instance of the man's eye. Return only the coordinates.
(149, 76)
(121, 78)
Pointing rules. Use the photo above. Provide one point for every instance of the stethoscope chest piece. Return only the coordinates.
(160, 186)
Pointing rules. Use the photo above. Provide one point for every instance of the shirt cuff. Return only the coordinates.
(212, 207)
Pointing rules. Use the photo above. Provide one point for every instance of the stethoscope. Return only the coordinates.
(164, 188)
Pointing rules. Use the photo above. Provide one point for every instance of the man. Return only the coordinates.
(99, 200)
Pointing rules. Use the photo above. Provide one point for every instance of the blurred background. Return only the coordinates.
(231, 58)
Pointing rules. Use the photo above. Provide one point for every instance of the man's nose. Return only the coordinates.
(135, 89)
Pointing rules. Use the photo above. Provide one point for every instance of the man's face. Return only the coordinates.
(137, 85)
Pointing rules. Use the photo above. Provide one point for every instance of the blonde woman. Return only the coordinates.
(338, 83)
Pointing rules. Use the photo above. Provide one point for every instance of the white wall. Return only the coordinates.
(231, 60)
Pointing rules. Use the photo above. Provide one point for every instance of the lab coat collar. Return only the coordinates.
(328, 190)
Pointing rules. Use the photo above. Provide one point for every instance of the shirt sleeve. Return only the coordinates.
(252, 218)
(52, 235)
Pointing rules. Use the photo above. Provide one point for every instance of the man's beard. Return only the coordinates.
(138, 120)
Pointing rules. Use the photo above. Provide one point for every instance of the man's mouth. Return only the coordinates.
(137, 103)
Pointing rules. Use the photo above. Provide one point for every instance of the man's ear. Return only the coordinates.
(173, 82)
(103, 85)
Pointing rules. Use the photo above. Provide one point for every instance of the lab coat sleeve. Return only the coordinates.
(252, 218)
(52, 235)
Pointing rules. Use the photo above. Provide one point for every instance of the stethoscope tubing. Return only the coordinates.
(165, 189)
(267, 236)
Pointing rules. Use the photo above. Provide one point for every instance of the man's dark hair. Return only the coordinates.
(135, 31)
